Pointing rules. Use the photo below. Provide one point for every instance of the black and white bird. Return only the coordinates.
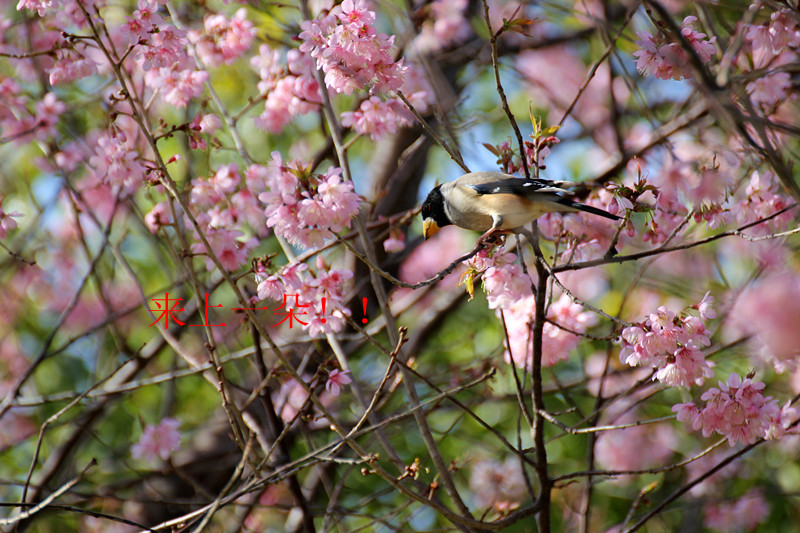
(493, 201)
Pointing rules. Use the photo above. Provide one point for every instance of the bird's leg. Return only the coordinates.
(497, 221)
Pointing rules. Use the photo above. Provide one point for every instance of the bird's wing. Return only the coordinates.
(522, 187)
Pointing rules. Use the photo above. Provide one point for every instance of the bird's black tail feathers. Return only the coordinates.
(589, 209)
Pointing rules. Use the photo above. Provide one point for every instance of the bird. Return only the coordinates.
(493, 202)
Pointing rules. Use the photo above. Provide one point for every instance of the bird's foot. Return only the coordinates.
(493, 237)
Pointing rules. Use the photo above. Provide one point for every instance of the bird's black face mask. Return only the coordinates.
(433, 215)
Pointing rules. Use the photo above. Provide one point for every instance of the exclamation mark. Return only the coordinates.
(364, 306)
(323, 319)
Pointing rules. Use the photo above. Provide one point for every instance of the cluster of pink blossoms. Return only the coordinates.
(158, 441)
(780, 33)
(223, 205)
(508, 291)
(69, 66)
(40, 6)
(307, 209)
(446, 26)
(19, 123)
(769, 311)
(770, 90)
(350, 51)
(762, 200)
(377, 117)
(290, 91)
(667, 60)
(312, 287)
(769, 43)
(7, 222)
(224, 40)
(117, 163)
(743, 514)
(161, 53)
(671, 345)
(499, 485)
(738, 411)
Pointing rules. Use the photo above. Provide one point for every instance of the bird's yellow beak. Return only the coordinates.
(429, 228)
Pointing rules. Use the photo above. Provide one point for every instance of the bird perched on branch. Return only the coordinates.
(493, 202)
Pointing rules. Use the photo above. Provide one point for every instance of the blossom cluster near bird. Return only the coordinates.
(429, 265)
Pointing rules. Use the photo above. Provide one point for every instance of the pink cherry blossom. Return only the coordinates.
(40, 6)
(116, 163)
(224, 40)
(325, 282)
(48, 112)
(69, 66)
(670, 345)
(762, 200)
(396, 241)
(229, 246)
(350, 51)
(773, 38)
(210, 123)
(770, 90)
(291, 398)
(705, 308)
(356, 12)
(159, 216)
(158, 441)
(166, 49)
(508, 291)
(737, 410)
(769, 311)
(336, 380)
(7, 222)
(496, 484)
(503, 280)
(310, 213)
(635, 448)
(669, 60)
(287, 97)
(743, 514)
(141, 24)
(178, 87)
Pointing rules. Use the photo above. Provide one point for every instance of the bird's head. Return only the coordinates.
(433, 215)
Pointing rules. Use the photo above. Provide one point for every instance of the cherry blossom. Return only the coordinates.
(40, 6)
(665, 60)
(7, 222)
(69, 66)
(350, 51)
(508, 291)
(737, 410)
(159, 216)
(312, 287)
(224, 40)
(309, 212)
(396, 241)
(768, 311)
(231, 247)
(743, 514)
(158, 441)
(141, 24)
(498, 484)
(670, 345)
(620, 449)
(166, 49)
(117, 163)
(336, 380)
(768, 91)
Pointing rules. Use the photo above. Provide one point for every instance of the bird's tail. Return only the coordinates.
(590, 209)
